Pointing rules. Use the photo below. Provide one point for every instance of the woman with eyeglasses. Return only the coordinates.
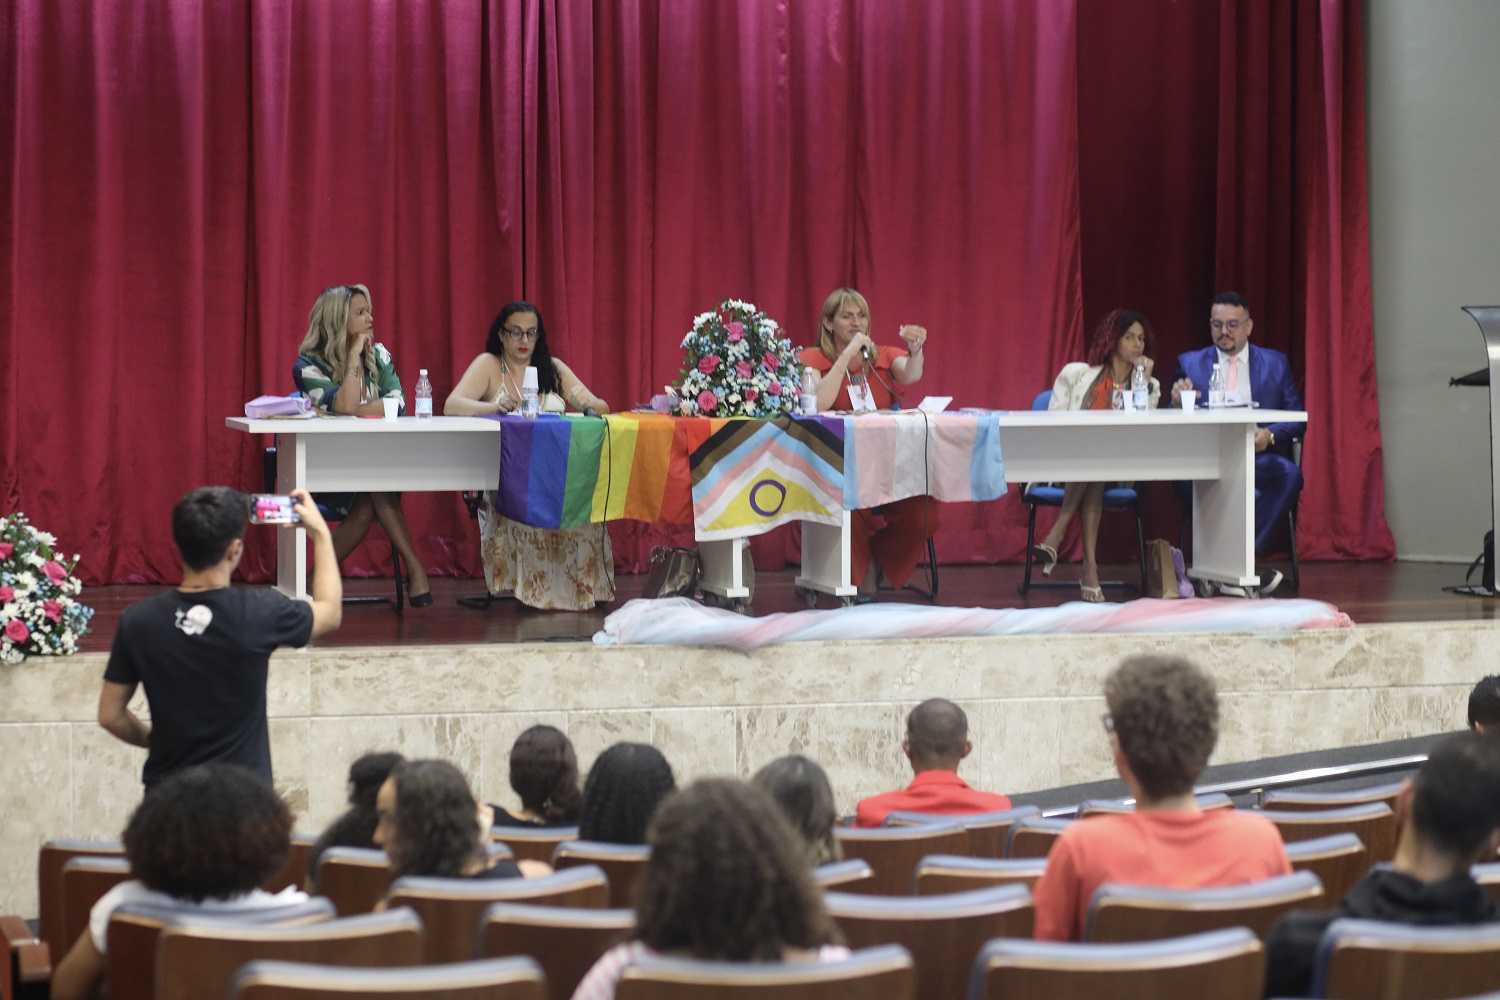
(565, 570)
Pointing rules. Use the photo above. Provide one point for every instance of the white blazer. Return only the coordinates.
(1072, 386)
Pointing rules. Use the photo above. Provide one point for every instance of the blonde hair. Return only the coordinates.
(328, 331)
(831, 307)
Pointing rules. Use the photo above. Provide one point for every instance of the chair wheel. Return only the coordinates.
(1203, 588)
(809, 596)
(710, 600)
(738, 605)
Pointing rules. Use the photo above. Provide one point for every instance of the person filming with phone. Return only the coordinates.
(202, 650)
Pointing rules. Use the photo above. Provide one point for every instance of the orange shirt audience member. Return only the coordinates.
(1163, 723)
(937, 738)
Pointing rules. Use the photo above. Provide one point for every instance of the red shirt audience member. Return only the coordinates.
(942, 793)
(1173, 850)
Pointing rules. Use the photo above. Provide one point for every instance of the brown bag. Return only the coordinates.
(673, 573)
(1161, 573)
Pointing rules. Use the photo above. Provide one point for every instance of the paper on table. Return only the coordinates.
(934, 404)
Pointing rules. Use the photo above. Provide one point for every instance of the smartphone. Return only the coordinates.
(267, 508)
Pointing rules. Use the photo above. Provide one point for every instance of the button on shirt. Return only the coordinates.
(1240, 378)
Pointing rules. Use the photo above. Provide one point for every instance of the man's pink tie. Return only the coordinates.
(1234, 374)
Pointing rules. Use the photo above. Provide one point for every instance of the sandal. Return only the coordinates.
(1047, 555)
(1093, 595)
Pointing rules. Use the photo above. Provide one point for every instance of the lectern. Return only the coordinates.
(1488, 318)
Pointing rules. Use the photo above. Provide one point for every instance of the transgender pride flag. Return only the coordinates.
(947, 456)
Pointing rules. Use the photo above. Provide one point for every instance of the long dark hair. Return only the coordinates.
(623, 789)
(1111, 328)
(541, 357)
(544, 773)
(436, 822)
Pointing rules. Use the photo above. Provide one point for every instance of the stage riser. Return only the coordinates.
(1034, 704)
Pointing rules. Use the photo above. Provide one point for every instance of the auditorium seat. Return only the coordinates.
(940, 873)
(622, 864)
(294, 872)
(1373, 823)
(987, 831)
(893, 851)
(942, 933)
(451, 909)
(1094, 807)
(85, 880)
(1488, 875)
(49, 865)
(354, 878)
(566, 941)
(1220, 965)
(874, 974)
(28, 963)
(1146, 913)
(495, 979)
(1359, 958)
(1293, 801)
(198, 957)
(134, 929)
(843, 874)
(1339, 860)
(1033, 837)
(533, 843)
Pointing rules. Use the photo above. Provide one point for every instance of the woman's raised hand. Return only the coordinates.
(1150, 366)
(915, 337)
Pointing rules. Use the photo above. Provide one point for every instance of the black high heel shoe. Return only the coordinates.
(419, 600)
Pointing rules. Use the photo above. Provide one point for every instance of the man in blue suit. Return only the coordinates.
(1264, 377)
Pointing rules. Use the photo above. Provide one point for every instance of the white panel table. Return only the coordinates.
(357, 455)
(1215, 449)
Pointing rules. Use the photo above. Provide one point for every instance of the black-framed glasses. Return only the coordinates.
(1108, 722)
(1233, 326)
(516, 333)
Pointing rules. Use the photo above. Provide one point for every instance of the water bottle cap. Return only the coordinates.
(423, 371)
(530, 380)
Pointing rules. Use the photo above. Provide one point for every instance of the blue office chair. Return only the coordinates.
(1119, 499)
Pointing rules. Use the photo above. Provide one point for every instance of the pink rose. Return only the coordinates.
(770, 361)
(6, 549)
(708, 363)
(7, 594)
(707, 402)
(16, 630)
(52, 610)
(774, 388)
(743, 368)
(752, 394)
(736, 331)
(55, 572)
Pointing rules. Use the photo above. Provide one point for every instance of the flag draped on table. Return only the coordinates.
(737, 477)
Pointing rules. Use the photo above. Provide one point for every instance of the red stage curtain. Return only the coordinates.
(182, 179)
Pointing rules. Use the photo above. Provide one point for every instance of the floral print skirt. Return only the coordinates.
(565, 570)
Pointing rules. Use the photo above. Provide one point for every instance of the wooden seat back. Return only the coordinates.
(85, 880)
(622, 864)
(293, 873)
(1095, 807)
(565, 941)
(1373, 823)
(28, 963)
(533, 843)
(49, 865)
(354, 878)
(843, 874)
(942, 873)
(1293, 801)
(1339, 861)
(1142, 913)
(987, 831)
(893, 852)
(1034, 836)
(875, 974)
(1360, 958)
(496, 979)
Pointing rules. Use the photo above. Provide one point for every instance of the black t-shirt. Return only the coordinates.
(202, 659)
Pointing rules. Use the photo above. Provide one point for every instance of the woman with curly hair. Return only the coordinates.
(727, 880)
(202, 841)
(800, 787)
(356, 827)
(429, 824)
(623, 789)
(544, 773)
(1122, 341)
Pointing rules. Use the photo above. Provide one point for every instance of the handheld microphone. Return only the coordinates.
(589, 411)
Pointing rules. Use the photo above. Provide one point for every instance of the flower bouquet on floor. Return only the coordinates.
(39, 615)
(737, 364)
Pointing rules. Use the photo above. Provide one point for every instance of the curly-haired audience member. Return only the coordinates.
(202, 841)
(937, 740)
(800, 787)
(429, 824)
(356, 827)
(1451, 821)
(1163, 723)
(623, 789)
(727, 880)
(544, 773)
(1484, 706)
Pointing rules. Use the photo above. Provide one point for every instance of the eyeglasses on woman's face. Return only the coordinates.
(516, 334)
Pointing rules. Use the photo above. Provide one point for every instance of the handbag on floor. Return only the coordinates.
(1161, 569)
(673, 572)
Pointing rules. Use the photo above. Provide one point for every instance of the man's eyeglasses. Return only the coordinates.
(517, 334)
(1233, 326)
(1108, 721)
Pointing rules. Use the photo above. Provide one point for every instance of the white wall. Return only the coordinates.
(1433, 81)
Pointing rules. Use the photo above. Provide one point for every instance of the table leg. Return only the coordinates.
(1224, 513)
(723, 564)
(825, 558)
(291, 545)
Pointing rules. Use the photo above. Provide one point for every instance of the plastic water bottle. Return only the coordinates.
(809, 392)
(531, 402)
(1140, 388)
(1216, 387)
(423, 393)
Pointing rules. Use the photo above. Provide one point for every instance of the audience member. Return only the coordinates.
(202, 841)
(1450, 820)
(1163, 723)
(544, 773)
(623, 789)
(202, 650)
(356, 827)
(429, 823)
(727, 881)
(937, 738)
(800, 787)
(1484, 706)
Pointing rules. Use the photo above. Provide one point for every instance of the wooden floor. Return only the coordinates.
(1367, 592)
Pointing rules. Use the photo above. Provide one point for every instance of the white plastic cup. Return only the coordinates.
(1189, 400)
(392, 407)
(529, 380)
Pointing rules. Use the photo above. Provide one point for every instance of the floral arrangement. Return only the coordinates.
(38, 613)
(737, 364)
